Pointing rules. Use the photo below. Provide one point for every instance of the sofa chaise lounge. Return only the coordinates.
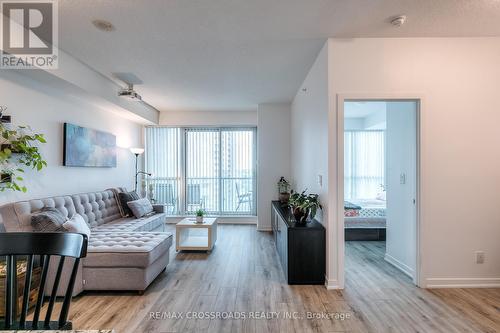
(123, 253)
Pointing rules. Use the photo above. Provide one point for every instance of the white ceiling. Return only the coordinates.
(234, 54)
(363, 109)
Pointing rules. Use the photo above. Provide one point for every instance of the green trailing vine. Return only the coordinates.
(19, 149)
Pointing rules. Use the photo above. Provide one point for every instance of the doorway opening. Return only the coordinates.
(380, 190)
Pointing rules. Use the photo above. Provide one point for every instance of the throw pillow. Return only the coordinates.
(48, 220)
(77, 224)
(124, 198)
(140, 207)
(116, 195)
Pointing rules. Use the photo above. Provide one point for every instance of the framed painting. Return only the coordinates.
(85, 147)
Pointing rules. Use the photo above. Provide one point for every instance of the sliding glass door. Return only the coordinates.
(237, 171)
(216, 170)
(202, 169)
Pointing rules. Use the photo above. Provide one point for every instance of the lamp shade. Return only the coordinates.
(137, 151)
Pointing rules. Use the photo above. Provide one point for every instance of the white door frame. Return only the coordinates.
(339, 205)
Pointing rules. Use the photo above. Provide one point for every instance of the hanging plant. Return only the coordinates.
(19, 149)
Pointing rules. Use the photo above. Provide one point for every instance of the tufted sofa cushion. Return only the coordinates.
(120, 255)
(17, 216)
(97, 207)
(126, 249)
(127, 224)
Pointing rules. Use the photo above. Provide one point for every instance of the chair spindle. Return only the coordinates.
(27, 288)
(53, 295)
(41, 291)
(63, 317)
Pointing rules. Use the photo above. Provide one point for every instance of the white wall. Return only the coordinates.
(309, 137)
(460, 155)
(45, 109)
(208, 118)
(273, 140)
(309, 130)
(401, 159)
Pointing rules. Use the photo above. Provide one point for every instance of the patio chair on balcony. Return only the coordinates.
(243, 198)
(194, 199)
(165, 196)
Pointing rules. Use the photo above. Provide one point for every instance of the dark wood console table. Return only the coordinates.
(301, 248)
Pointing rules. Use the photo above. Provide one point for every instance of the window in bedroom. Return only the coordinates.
(209, 168)
(364, 164)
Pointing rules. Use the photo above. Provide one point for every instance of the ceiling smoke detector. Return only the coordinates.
(103, 25)
(398, 20)
(130, 93)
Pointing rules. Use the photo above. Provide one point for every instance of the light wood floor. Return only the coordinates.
(243, 274)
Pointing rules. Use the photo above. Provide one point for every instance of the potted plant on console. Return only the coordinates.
(303, 206)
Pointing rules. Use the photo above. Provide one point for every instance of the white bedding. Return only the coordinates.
(371, 207)
(371, 214)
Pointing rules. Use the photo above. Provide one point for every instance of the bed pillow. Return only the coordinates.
(123, 199)
(77, 224)
(351, 213)
(350, 205)
(48, 219)
(140, 207)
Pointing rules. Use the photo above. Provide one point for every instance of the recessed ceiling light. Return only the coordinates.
(398, 21)
(103, 25)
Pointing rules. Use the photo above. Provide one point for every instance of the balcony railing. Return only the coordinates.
(217, 196)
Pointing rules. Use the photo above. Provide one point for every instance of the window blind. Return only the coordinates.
(209, 168)
(364, 164)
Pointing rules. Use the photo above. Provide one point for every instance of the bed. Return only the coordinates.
(365, 219)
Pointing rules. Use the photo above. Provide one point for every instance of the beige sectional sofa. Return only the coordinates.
(123, 253)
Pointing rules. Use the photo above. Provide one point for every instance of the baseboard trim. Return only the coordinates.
(332, 284)
(462, 283)
(237, 222)
(266, 229)
(399, 265)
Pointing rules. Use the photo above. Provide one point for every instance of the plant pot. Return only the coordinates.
(300, 215)
(5, 178)
(284, 197)
(199, 219)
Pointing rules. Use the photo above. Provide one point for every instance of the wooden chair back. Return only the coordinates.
(44, 246)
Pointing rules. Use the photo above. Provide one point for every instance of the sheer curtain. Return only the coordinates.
(162, 159)
(364, 164)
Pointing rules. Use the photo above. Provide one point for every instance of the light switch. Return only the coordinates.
(320, 180)
(402, 178)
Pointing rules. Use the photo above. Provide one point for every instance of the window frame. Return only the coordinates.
(182, 209)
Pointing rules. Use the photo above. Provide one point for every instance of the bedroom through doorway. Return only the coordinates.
(380, 191)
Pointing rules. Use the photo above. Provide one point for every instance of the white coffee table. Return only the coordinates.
(190, 235)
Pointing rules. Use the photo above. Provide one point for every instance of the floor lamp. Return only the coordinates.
(137, 152)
